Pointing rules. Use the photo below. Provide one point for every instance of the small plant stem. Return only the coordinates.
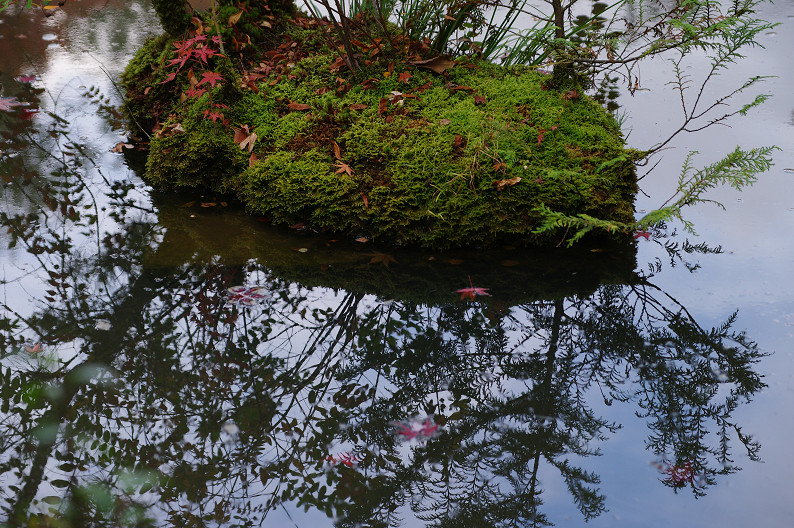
(217, 26)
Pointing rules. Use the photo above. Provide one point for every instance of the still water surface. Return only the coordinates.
(169, 364)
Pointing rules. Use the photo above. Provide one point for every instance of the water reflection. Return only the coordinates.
(153, 376)
(173, 365)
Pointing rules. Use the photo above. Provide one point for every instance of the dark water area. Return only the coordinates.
(171, 361)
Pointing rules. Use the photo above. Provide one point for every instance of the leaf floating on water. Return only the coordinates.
(342, 458)
(362, 239)
(472, 291)
(33, 348)
(247, 295)
(416, 429)
(788, 170)
(383, 258)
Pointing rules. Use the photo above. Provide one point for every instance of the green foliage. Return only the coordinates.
(739, 169)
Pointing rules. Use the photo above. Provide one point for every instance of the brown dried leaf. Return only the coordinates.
(235, 18)
(358, 106)
(503, 184)
(382, 104)
(299, 107)
(438, 64)
(337, 151)
(444, 122)
(343, 167)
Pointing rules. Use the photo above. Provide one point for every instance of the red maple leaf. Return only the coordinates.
(195, 92)
(170, 77)
(210, 77)
(214, 115)
(342, 458)
(404, 77)
(421, 430)
(472, 291)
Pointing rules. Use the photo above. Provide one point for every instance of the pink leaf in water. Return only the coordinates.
(246, 295)
(8, 103)
(472, 291)
(26, 78)
(345, 458)
(418, 429)
(645, 234)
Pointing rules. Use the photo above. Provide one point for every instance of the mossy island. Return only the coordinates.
(410, 147)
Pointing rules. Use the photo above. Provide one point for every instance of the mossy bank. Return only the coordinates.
(435, 154)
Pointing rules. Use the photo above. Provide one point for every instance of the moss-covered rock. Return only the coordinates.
(396, 152)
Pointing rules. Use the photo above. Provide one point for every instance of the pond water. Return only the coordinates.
(171, 361)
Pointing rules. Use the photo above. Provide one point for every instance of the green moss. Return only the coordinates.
(439, 168)
(142, 78)
(203, 156)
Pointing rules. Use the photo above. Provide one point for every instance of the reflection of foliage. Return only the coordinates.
(196, 410)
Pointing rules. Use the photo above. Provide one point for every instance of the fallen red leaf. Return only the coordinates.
(382, 104)
(404, 77)
(343, 167)
(299, 107)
